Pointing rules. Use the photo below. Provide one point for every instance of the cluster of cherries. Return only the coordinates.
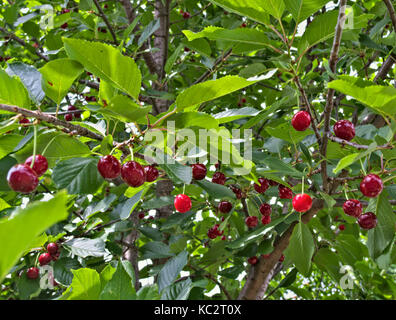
(71, 115)
(24, 178)
(132, 172)
(52, 254)
(185, 14)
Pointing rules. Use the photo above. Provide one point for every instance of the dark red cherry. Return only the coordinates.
(353, 208)
(152, 173)
(199, 171)
(273, 183)
(76, 114)
(237, 191)
(68, 117)
(282, 258)
(265, 209)
(266, 220)
(253, 260)
(40, 165)
(44, 259)
(22, 178)
(344, 129)
(302, 202)
(24, 121)
(219, 178)
(225, 206)
(52, 248)
(341, 227)
(64, 26)
(301, 121)
(285, 192)
(109, 167)
(141, 215)
(251, 221)
(262, 186)
(33, 273)
(367, 220)
(182, 203)
(371, 185)
(133, 174)
(186, 15)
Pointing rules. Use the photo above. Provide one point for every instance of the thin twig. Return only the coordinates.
(107, 22)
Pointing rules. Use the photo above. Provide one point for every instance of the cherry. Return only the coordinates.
(265, 209)
(263, 186)
(237, 191)
(243, 100)
(52, 248)
(214, 232)
(24, 121)
(223, 238)
(40, 165)
(64, 10)
(266, 220)
(344, 129)
(301, 121)
(182, 203)
(353, 208)
(133, 174)
(251, 221)
(302, 202)
(186, 49)
(109, 167)
(341, 227)
(371, 185)
(64, 26)
(186, 15)
(22, 178)
(253, 260)
(219, 178)
(151, 173)
(76, 114)
(367, 220)
(141, 215)
(198, 171)
(33, 273)
(282, 258)
(225, 206)
(273, 183)
(44, 259)
(243, 25)
(68, 117)
(285, 192)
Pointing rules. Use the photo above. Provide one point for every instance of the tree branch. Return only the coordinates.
(107, 22)
(355, 145)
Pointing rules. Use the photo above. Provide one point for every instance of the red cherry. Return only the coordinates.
(186, 49)
(263, 185)
(133, 174)
(24, 121)
(52, 248)
(44, 259)
(353, 208)
(76, 114)
(273, 183)
(301, 121)
(302, 202)
(266, 220)
(225, 206)
(243, 100)
(243, 25)
(341, 227)
(285, 192)
(109, 167)
(282, 258)
(212, 234)
(223, 238)
(186, 15)
(68, 117)
(253, 260)
(32, 273)
(199, 171)
(182, 203)
(344, 129)
(371, 185)
(265, 209)
(64, 26)
(237, 191)
(151, 173)
(40, 165)
(219, 178)
(251, 221)
(65, 11)
(22, 178)
(367, 220)
(141, 215)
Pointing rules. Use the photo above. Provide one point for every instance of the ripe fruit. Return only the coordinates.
(64, 26)
(151, 173)
(44, 259)
(282, 258)
(182, 203)
(263, 186)
(186, 15)
(353, 208)
(266, 220)
(199, 171)
(265, 209)
(371, 185)
(243, 100)
(40, 165)
(225, 206)
(219, 178)
(273, 183)
(68, 117)
(214, 232)
(344, 129)
(285, 192)
(301, 121)
(237, 191)
(33, 273)
(243, 25)
(341, 227)
(367, 220)
(76, 114)
(302, 202)
(24, 121)
(52, 248)
(22, 178)
(109, 167)
(253, 260)
(251, 221)
(133, 174)
(141, 215)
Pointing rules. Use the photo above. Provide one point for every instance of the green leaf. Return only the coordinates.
(27, 287)
(120, 287)
(216, 191)
(380, 237)
(329, 262)
(85, 247)
(130, 205)
(148, 293)
(58, 77)
(62, 270)
(302, 9)
(155, 250)
(171, 270)
(301, 248)
(8, 143)
(85, 285)
(210, 90)
(277, 166)
(12, 91)
(178, 291)
(177, 172)
(193, 119)
(172, 59)
(286, 132)
(107, 63)
(78, 175)
(148, 31)
(19, 230)
(235, 114)
(352, 158)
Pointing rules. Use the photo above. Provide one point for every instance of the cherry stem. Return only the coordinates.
(361, 164)
(131, 151)
(184, 188)
(302, 187)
